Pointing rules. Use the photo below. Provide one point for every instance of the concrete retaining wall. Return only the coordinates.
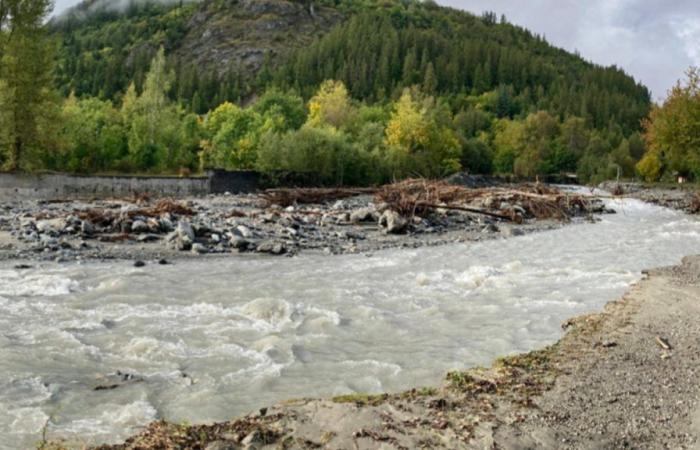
(60, 186)
(221, 181)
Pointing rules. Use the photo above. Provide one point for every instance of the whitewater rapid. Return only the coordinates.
(210, 339)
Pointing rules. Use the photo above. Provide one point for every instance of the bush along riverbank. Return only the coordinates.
(284, 222)
(622, 378)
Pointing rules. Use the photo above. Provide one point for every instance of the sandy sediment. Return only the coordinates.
(623, 378)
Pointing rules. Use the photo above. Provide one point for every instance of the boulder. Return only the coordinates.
(139, 226)
(166, 225)
(244, 231)
(51, 226)
(363, 215)
(184, 235)
(392, 222)
(200, 249)
(87, 228)
(512, 232)
(271, 247)
(239, 243)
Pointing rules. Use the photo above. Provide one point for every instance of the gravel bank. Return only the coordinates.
(233, 224)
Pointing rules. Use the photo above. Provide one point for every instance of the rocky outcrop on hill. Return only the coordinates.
(242, 34)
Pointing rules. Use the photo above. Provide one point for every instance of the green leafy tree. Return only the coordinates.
(6, 125)
(540, 154)
(508, 144)
(420, 138)
(319, 156)
(287, 106)
(28, 101)
(94, 136)
(477, 156)
(673, 131)
(233, 135)
(575, 136)
(161, 136)
(331, 106)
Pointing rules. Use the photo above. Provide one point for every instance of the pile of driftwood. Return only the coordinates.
(107, 217)
(420, 197)
(513, 203)
(292, 196)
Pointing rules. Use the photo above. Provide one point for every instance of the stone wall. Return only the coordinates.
(21, 186)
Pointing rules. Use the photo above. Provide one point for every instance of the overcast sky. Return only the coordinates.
(654, 40)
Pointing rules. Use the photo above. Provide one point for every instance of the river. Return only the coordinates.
(210, 339)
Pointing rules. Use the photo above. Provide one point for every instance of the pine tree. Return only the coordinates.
(409, 67)
(430, 82)
(504, 105)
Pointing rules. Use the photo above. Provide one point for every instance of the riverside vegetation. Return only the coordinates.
(406, 88)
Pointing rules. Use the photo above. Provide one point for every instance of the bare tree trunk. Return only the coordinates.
(16, 154)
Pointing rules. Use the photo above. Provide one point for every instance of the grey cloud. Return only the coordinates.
(654, 40)
(62, 6)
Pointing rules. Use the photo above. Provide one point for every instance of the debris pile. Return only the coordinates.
(419, 197)
(298, 196)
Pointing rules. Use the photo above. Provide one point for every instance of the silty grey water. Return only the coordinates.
(215, 338)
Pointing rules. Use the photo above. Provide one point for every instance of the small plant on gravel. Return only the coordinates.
(361, 399)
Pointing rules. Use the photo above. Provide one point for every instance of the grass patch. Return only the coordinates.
(361, 399)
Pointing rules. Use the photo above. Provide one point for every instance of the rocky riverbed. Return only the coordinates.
(161, 230)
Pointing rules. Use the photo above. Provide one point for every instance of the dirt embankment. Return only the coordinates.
(623, 378)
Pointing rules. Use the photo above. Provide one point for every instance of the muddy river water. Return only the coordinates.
(207, 340)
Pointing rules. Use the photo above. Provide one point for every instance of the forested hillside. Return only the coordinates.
(215, 47)
(344, 91)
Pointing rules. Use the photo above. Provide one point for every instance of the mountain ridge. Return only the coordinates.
(226, 50)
